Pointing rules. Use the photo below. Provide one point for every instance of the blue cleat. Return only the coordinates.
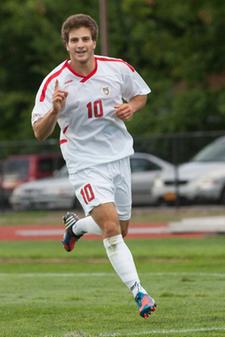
(70, 238)
(146, 304)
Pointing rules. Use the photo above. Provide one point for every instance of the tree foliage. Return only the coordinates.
(177, 46)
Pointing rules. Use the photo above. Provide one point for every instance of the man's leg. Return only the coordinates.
(75, 228)
(124, 224)
(120, 256)
(118, 252)
(83, 225)
(100, 194)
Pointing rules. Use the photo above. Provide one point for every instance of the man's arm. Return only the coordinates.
(126, 111)
(44, 126)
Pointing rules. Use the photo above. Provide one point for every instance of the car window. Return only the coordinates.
(212, 152)
(143, 165)
(17, 167)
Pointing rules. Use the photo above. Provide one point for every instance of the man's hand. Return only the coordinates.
(44, 126)
(58, 98)
(124, 111)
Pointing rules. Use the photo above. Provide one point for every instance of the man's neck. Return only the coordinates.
(83, 68)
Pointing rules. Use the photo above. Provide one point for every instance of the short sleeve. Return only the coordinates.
(133, 84)
(43, 102)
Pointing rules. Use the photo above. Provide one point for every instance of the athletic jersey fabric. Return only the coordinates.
(91, 133)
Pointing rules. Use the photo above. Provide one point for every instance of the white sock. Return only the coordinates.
(86, 225)
(136, 288)
(122, 262)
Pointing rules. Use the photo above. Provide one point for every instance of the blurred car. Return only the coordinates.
(50, 193)
(18, 169)
(145, 168)
(202, 179)
(57, 192)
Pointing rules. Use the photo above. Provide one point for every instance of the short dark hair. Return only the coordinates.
(78, 21)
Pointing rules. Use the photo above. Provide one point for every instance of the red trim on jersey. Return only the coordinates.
(91, 73)
(110, 59)
(49, 79)
(72, 70)
(84, 77)
(65, 129)
(62, 141)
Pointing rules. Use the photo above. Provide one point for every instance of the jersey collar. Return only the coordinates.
(86, 77)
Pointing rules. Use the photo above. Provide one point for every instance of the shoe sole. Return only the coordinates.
(146, 312)
(71, 245)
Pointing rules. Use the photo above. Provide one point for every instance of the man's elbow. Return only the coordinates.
(38, 136)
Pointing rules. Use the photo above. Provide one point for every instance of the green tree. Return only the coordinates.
(179, 47)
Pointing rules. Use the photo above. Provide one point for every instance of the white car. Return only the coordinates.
(57, 192)
(201, 179)
(49, 193)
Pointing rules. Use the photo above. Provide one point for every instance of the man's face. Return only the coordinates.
(80, 45)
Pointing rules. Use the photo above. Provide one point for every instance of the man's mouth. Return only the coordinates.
(81, 52)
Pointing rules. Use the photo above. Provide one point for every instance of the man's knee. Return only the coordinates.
(106, 217)
(111, 228)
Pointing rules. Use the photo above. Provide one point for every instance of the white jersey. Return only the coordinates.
(91, 133)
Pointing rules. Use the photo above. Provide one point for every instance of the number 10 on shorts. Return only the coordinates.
(87, 193)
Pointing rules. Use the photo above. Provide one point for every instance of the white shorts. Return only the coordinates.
(105, 183)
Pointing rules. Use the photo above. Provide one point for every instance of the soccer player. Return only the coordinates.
(91, 97)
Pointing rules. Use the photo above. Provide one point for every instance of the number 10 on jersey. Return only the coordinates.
(95, 109)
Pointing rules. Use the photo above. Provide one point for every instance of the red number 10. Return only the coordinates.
(87, 193)
(95, 108)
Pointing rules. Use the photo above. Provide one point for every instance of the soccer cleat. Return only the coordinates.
(146, 304)
(70, 238)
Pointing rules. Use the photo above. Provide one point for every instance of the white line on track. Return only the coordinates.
(58, 231)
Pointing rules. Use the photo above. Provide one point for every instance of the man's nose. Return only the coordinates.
(80, 43)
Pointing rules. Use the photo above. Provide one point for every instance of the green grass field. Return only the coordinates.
(47, 292)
